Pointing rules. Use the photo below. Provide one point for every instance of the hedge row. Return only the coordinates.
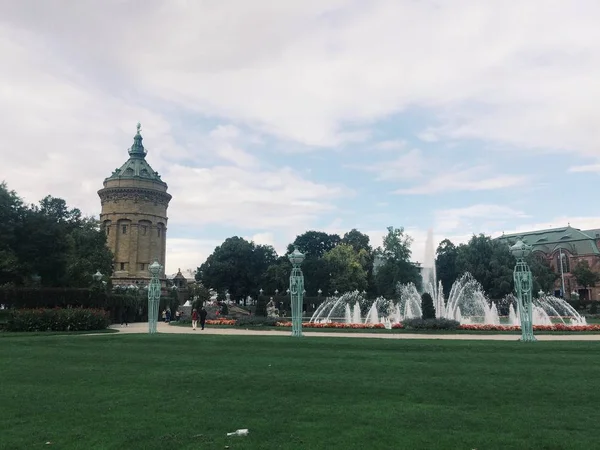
(70, 319)
(62, 298)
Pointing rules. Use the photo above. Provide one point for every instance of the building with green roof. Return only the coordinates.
(571, 245)
(134, 216)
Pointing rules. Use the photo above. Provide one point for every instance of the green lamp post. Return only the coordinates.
(153, 296)
(296, 291)
(523, 290)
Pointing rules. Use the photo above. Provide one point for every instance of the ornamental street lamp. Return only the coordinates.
(296, 291)
(276, 292)
(153, 296)
(336, 292)
(523, 290)
(97, 276)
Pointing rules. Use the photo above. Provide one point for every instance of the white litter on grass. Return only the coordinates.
(240, 432)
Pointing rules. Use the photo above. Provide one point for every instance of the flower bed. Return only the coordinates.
(555, 327)
(220, 322)
(334, 325)
(397, 326)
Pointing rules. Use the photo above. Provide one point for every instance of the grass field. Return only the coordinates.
(188, 391)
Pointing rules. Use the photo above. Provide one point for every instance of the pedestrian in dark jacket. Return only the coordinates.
(203, 314)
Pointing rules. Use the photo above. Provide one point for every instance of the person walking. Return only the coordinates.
(203, 315)
(124, 317)
(194, 318)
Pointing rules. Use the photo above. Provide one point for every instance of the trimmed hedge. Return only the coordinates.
(431, 324)
(256, 321)
(57, 319)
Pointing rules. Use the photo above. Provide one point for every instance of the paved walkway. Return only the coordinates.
(173, 329)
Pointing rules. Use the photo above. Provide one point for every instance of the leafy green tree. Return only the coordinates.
(347, 268)
(490, 262)
(396, 267)
(359, 241)
(199, 294)
(445, 265)
(277, 276)
(584, 275)
(427, 308)
(542, 273)
(49, 240)
(236, 266)
(315, 243)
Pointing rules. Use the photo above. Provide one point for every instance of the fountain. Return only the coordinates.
(467, 303)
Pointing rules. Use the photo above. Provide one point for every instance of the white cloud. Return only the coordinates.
(585, 168)
(478, 178)
(486, 216)
(312, 71)
(187, 254)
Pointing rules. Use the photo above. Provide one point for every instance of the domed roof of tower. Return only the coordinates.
(136, 166)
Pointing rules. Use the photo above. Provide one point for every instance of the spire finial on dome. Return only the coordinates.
(137, 148)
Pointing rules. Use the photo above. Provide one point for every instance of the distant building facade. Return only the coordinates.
(134, 217)
(569, 245)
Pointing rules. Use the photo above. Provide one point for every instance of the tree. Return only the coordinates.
(427, 308)
(49, 240)
(490, 262)
(396, 267)
(542, 273)
(277, 276)
(396, 245)
(359, 241)
(584, 275)
(445, 265)
(315, 243)
(346, 267)
(236, 266)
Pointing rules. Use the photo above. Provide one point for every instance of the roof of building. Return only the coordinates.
(571, 239)
(136, 166)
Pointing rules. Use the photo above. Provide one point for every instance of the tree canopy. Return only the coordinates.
(49, 241)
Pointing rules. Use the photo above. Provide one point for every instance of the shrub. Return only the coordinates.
(430, 324)
(224, 309)
(594, 308)
(70, 319)
(427, 306)
(256, 321)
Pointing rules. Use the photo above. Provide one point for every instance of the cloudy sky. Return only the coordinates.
(270, 118)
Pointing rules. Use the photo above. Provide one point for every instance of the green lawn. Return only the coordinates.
(188, 391)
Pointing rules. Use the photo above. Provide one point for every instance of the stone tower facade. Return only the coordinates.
(134, 216)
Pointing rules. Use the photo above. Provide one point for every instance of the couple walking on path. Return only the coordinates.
(195, 316)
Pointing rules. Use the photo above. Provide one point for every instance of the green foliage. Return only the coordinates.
(445, 265)
(237, 266)
(69, 319)
(315, 243)
(584, 275)
(277, 276)
(490, 262)
(430, 324)
(261, 306)
(224, 309)
(397, 267)
(543, 275)
(256, 321)
(594, 308)
(393, 272)
(396, 245)
(347, 268)
(427, 308)
(50, 241)
(200, 293)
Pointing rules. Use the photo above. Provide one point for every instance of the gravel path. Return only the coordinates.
(165, 328)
